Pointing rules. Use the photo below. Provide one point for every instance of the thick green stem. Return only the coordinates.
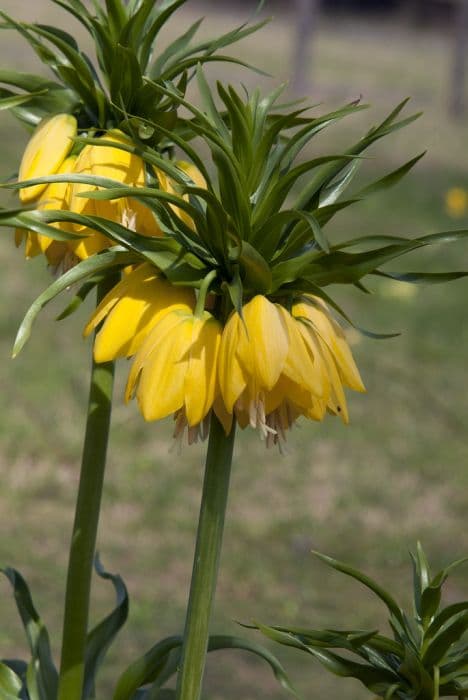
(206, 561)
(83, 542)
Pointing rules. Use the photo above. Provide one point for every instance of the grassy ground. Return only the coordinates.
(364, 493)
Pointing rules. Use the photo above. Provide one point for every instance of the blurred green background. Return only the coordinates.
(364, 493)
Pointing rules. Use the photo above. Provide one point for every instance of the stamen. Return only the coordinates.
(194, 433)
(278, 422)
(68, 261)
(129, 219)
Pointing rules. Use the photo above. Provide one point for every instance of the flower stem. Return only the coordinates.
(206, 561)
(83, 541)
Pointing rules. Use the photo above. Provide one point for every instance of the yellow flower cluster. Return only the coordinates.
(265, 369)
(48, 153)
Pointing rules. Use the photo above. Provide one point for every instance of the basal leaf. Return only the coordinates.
(41, 675)
(101, 637)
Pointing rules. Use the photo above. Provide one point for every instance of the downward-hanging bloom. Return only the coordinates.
(117, 164)
(54, 196)
(174, 372)
(176, 351)
(131, 309)
(275, 366)
(45, 153)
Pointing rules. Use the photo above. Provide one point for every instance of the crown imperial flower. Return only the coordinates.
(116, 164)
(131, 310)
(55, 196)
(275, 366)
(175, 369)
(48, 147)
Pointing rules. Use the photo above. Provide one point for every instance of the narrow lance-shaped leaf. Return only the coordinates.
(42, 676)
(15, 100)
(80, 296)
(101, 637)
(380, 592)
(10, 684)
(442, 642)
(389, 180)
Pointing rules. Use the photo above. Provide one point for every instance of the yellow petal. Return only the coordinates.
(131, 309)
(193, 172)
(161, 371)
(301, 366)
(225, 418)
(81, 205)
(32, 247)
(144, 220)
(232, 379)
(116, 163)
(332, 334)
(319, 380)
(167, 184)
(336, 402)
(56, 194)
(162, 328)
(287, 390)
(263, 342)
(200, 379)
(46, 151)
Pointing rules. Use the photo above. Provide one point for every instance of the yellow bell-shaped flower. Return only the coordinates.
(55, 196)
(131, 310)
(275, 366)
(48, 147)
(175, 369)
(124, 167)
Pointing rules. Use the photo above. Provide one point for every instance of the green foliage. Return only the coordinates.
(144, 678)
(259, 223)
(38, 679)
(126, 39)
(426, 658)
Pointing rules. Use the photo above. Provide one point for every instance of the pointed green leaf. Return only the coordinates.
(101, 637)
(16, 100)
(444, 616)
(235, 290)
(146, 669)
(174, 47)
(441, 643)
(42, 676)
(254, 270)
(380, 592)
(116, 15)
(217, 642)
(422, 277)
(80, 296)
(389, 180)
(10, 684)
